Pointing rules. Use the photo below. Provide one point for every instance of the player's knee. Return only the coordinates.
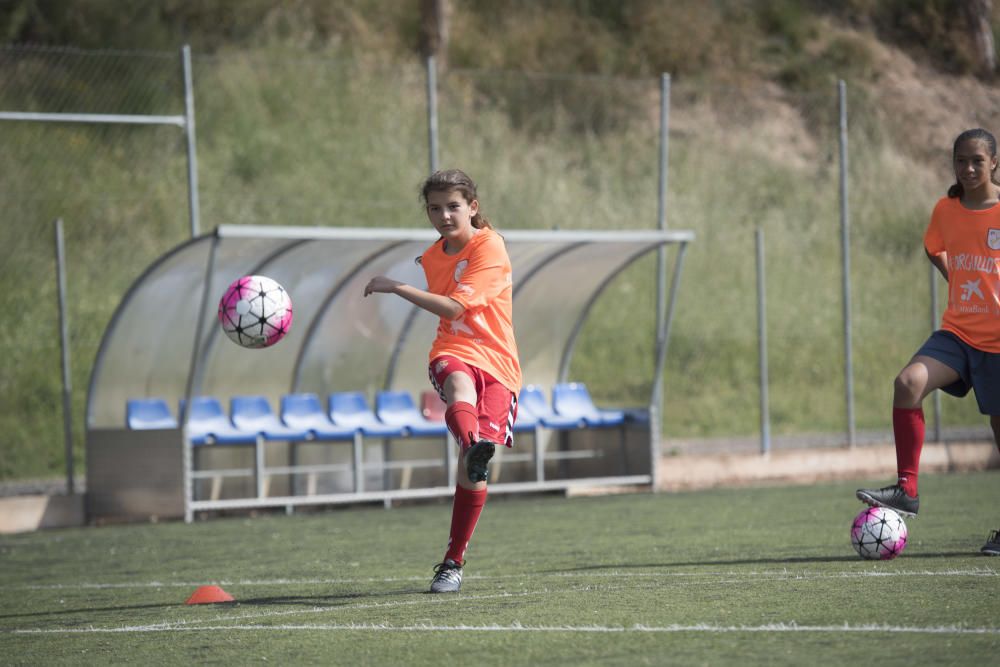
(909, 385)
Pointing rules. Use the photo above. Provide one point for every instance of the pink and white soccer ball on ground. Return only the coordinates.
(255, 312)
(878, 533)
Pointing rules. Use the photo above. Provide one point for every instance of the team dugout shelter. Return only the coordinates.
(164, 346)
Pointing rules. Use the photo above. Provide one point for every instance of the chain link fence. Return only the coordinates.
(322, 141)
(122, 194)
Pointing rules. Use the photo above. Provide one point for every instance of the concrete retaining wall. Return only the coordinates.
(804, 466)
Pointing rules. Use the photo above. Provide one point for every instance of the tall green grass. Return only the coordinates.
(307, 140)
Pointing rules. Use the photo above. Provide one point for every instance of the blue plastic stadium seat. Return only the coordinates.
(571, 399)
(526, 419)
(208, 424)
(398, 409)
(254, 414)
(532, 399)
(305, 412)
(148, 413)
(350, 409)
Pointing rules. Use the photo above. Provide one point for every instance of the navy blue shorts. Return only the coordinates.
(977, 370)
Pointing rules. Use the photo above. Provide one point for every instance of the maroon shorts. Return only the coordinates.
(495, 403)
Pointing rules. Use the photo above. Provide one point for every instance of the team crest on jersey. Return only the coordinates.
(993, 239)
(440, 365)
(461, 266)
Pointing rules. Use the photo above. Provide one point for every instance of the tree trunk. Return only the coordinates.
(977, 16)
(434, 19)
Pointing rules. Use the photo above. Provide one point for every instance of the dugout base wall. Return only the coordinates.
(140, 475)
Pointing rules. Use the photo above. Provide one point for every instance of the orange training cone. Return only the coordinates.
(209, 595)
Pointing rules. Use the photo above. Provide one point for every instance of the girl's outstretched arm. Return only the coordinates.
(439, 305)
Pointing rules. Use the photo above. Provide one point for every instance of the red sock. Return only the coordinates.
(463, 422)
(908, 428)
(464, 516)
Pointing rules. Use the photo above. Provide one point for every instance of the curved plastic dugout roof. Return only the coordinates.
(339, 341)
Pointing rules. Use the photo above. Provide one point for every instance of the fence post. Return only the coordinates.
(845, 244)
(936, 399)
(661, 211)
(432, 114)
(192, 157)
(67, 393)
(656, 401)
(765, 411)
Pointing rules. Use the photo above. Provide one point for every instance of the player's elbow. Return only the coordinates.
(453, 310)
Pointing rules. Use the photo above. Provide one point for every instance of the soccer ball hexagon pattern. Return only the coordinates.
(878, 533)
(255, 312)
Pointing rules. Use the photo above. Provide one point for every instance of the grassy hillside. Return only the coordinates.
(771, 39)
(313, 113)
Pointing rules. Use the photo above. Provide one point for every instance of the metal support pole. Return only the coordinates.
(357, 461)
(936, 396)
(656, 400)
(845, 244)
(193, 380)
(67, 393)
(126, 119)
(765, 411)
(432, 114)
(192, 157)
(656, 403)
(661, 217)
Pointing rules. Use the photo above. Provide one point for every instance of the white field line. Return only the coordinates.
(233, 622)
(257, 615)
(517, 628)
(424, 599)
(732, 575)
(194, 624)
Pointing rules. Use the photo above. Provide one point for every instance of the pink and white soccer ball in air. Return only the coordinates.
(878, 533)
(255, 312)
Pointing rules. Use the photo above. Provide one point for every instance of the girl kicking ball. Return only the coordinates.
(473, 360)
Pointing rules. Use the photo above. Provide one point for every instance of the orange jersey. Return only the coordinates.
(479, 278)
(971, 240)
